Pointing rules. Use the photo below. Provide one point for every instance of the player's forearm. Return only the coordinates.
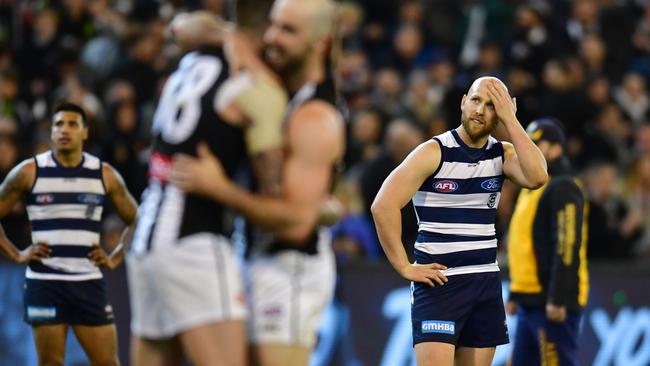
(291, 222)
(388, 223)
(267, 167)
(531, 159)
(7, 247)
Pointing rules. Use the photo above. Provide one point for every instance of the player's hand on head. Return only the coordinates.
(34, 252)
(201, 175)
(425, 273)
(504, 105)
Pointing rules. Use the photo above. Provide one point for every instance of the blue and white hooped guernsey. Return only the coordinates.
(65, 209)
(456, 207)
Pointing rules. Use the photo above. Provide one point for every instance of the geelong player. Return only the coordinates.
(65, 189)
(454, 180)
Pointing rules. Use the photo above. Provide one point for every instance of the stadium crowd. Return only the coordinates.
(402, 68)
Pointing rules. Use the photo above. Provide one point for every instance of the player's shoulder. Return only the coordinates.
(24, 173)
(316, 117)
(318, 111)
(92, 162)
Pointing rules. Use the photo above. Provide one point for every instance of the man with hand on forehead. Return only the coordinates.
(454, 180)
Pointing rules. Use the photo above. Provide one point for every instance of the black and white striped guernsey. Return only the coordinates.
(456, 207)
(65, 209)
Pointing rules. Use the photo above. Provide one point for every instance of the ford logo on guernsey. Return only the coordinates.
(445, 186)
(491, 185)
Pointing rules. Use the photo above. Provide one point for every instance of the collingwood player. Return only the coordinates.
(185, 286)
(455, 180)
(65, 189)
(291, 271)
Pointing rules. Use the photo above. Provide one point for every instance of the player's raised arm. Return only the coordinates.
(524, 163)
(397, 190)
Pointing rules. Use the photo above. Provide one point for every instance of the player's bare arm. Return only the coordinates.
(18, 182)
(126, 208)
(396, 191)
(524, 163)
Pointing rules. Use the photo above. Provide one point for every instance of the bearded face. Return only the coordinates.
(478, 116)
(289, 39)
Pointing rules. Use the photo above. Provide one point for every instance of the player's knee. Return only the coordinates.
(50, 360)
(106, 361)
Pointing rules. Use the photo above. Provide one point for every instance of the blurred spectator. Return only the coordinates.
(562, 98)
(10, 104)
(76, 25)
(530, 46)
(582, 22)
(139, 68)
(420, 103)
(386, 96)
(40, 51)
(638, 200)
(608, 139)
(632, 97)
(353, 236)
(354, 77)
(643, 139)
(122, 144)
(364, 138)
(593, 54)
(408, 46)
(605, 238)
(402, 136)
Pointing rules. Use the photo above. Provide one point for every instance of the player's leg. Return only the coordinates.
(486, 325)
(222, 343)
(559, 341)
(289, 292)
(275, 355)
(434, 353)
(45, 311)
(466, 356)
(200, 282)
(91, 317)
(50, 343)
(525, 349)
(155, 352)
(99, 343)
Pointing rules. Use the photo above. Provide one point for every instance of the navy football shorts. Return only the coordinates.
(467, 311)
(67, 302)
(539, 341)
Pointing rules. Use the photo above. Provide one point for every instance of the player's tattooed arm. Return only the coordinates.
(19, 180)
(267, 167)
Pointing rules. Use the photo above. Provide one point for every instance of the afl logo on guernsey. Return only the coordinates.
(44, 199)
(445, 186)
(491, 185)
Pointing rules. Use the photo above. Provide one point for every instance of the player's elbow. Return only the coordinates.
(378, 206)
(539, 180)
